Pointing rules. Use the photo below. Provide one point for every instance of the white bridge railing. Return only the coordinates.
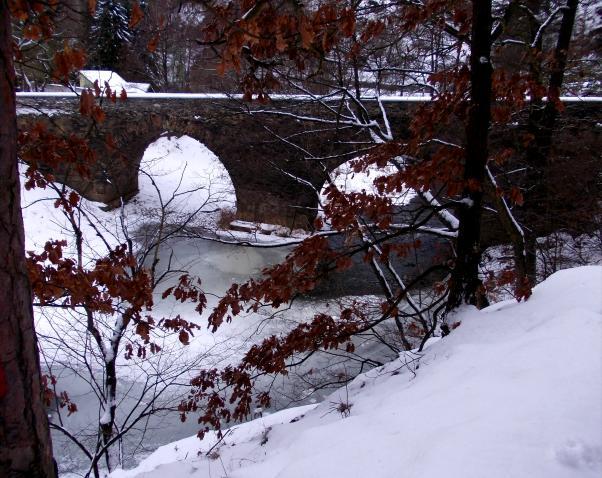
(223, 96)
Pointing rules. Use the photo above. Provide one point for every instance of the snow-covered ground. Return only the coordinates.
(179, 177)
(514, 391)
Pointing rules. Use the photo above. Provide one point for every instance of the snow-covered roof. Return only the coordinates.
(115, 81)
(132, 87)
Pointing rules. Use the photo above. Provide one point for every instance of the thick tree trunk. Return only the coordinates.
(465, 285)
(25, 447)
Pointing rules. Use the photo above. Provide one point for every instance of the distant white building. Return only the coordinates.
(116, 82)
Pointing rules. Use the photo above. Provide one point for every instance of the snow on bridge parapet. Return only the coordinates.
(192, 105)
(293, 98)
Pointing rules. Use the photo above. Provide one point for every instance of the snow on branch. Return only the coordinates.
(545, 25)
(446, 217)
(506, 208)
(314, 119)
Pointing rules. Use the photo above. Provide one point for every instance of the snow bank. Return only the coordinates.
(349, 181)
(515, 391)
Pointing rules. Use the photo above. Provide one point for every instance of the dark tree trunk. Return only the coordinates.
(25, 447)
(465, 285)
(542, 121)
(106, 427)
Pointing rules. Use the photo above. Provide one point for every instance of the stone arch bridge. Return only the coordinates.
(273, 179)
(261, 163)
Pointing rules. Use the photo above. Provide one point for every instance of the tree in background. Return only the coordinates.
(164, 50)
(70, 26)
(110, 34)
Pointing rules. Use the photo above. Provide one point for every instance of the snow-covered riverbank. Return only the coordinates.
(514, 391)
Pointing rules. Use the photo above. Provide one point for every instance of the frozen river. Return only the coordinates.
(219, 265)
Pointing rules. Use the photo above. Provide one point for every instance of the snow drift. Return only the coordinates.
(514, 391)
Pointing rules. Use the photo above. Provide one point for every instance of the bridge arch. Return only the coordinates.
(195, 187)
(274, 183)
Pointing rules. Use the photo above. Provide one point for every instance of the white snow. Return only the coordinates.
(349, 181)
(114, 80)
(105, 419)
(514, 391)
(191, 181)
(189, 177)
(217, 96)
(467, 202)
(27, 110)
(447, 216)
